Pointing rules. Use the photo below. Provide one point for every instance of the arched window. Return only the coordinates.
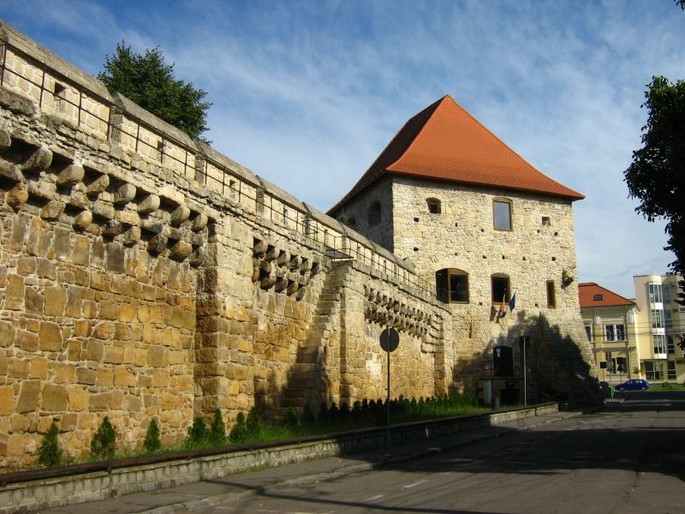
(434, 206)
(374, 213)
(452, 285)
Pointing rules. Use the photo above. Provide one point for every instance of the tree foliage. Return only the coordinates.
(656, 176)
(149, 82)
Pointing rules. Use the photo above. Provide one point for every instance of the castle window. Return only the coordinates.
(374, 213)
(434, 206)
(452, 285)
(551, 295)
(502, 214)
(500, 288)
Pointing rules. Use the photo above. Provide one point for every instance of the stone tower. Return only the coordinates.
(496, 238)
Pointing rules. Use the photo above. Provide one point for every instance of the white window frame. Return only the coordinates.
(614, 332)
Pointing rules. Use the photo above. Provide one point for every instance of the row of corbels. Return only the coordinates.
(97, 203)
(281, 270)
(382, 309)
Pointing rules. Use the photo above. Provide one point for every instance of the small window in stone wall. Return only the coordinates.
(452, 285)
(502, 214)
(500, 288)
(374, 213)
(551, 295)
(434, 206)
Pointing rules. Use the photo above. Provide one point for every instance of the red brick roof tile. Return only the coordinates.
(444, 142)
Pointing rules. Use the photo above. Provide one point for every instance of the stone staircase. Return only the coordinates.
(308, 381)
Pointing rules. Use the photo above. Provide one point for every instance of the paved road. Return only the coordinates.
(628, 459)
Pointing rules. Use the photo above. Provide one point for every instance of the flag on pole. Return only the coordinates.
(512, 303)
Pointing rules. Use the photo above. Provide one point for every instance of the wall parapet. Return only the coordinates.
(58, 89)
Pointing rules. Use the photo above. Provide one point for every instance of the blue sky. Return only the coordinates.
(307, 93)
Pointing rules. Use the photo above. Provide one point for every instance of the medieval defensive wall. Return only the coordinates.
(145, 275)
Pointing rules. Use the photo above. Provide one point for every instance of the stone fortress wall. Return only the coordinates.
(144, 275)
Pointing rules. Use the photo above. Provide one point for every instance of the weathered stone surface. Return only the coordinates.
(71, 175)
(54, 398)
(83, 220)
(124, 194)
(39, 160)
(149, 204)
(97, 186)
(29, 396)
(50, 337)
(10, 171)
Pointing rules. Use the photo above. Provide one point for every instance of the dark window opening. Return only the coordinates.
(452, 285)
(502, 361)
(551, 295)
(375, 213)
(434, 206)
(500, 289)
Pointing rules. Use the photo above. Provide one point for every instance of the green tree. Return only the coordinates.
(50, 453)
(149, 82)
(152, 442)
(656, 176)
(104, 442)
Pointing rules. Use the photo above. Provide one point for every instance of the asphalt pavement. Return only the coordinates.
(204, 494)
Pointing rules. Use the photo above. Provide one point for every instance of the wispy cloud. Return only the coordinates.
(307, 94)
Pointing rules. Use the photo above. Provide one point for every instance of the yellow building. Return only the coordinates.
(611, 327)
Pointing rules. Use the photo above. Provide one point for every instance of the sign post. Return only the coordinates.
(389, 340)
(524, 340)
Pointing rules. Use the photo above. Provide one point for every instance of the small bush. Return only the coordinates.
(49, 453)
(152, 443)
(198, 434)
(239, 431)
(217, 433)
(103, 444)
(253, 424)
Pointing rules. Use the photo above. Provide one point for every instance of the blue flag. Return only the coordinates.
(512, 303)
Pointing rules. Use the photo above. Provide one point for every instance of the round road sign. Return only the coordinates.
(390, 339)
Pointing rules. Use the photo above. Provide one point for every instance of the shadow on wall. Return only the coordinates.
(555, 367)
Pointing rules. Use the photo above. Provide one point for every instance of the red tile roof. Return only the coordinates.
(444, 142)
(593, 295)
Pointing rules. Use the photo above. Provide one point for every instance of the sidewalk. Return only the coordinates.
(204, 494)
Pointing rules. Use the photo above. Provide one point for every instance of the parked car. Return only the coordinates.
(634, 384)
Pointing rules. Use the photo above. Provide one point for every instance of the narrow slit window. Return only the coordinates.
(551, 295)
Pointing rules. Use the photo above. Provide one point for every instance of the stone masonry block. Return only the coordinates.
(50, 337)
(54, 398)
(7, 400)
(29, 396)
